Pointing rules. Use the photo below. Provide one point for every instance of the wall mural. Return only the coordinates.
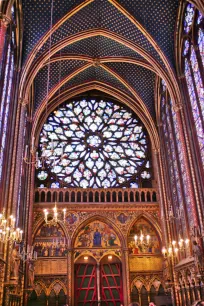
(50, 241)
(97, 234)
(153, 247)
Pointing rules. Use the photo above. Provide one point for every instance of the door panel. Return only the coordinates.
(111, 284)
(85, 285)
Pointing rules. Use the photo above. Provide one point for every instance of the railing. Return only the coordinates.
(113, 195)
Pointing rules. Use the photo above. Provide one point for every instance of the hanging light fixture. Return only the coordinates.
(8, 231)
(142, 239)
(52, 217)
(175, 247)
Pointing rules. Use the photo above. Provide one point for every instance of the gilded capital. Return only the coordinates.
(4, 20)
(23, 102)
(156, 151)
(177, 107)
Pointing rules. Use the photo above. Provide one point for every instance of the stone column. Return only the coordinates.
(70, 277)
(126, 276)
(2, 272)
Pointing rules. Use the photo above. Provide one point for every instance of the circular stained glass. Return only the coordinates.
(93, 143)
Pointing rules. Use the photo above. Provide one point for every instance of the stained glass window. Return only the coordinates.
(174, 154)
(193, 60)
(93, 143)
(5, 102)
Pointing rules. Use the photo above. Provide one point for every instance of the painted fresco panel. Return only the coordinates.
(147, 229)
(97, 234)
(50, 242)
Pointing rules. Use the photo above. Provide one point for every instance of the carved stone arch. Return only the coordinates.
(134, 283)
(39, 117)
(85, 253)
(52, 285)
(43, 287)
(179, 277)
(148, 217)
(103, 219)
(40, 223)
(153, 280)
(29, 72)
(110, 253)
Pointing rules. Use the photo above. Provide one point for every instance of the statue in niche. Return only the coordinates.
(31, 273)
(97, 238)
(198, 255)
(15, 262)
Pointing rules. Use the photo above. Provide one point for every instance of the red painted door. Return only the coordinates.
(85, 285)
(111, 284)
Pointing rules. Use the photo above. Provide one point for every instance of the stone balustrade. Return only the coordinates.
(90, 195)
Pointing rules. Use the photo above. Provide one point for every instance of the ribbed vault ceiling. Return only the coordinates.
(108, 41)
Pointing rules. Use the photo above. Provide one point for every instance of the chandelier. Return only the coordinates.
(8, 232)
(175, 247)
(52, 217)
(142, 239)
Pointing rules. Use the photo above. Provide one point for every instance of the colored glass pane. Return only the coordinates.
(94, 144)
(188, 19)
(186, 47)
(198, 80)
(201, 44)
(185, 183)
(195, 108)
(6, 99)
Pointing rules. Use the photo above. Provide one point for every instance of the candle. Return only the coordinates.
(170, 250)
(4, 224)
(64, 212)
(187, 241)
(17, 233)
(26, 152)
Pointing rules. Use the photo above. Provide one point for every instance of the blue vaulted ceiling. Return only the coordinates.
(158, 18)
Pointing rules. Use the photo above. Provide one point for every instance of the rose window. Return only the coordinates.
(92, 143)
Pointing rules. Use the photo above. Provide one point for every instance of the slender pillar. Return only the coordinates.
(126, 276)
(70, 277)
(98, 283)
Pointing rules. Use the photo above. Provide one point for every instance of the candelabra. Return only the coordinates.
(175, 247)
(8, 232)
(142, 240)
(39, 161)
(29, 254)
(51, 218)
